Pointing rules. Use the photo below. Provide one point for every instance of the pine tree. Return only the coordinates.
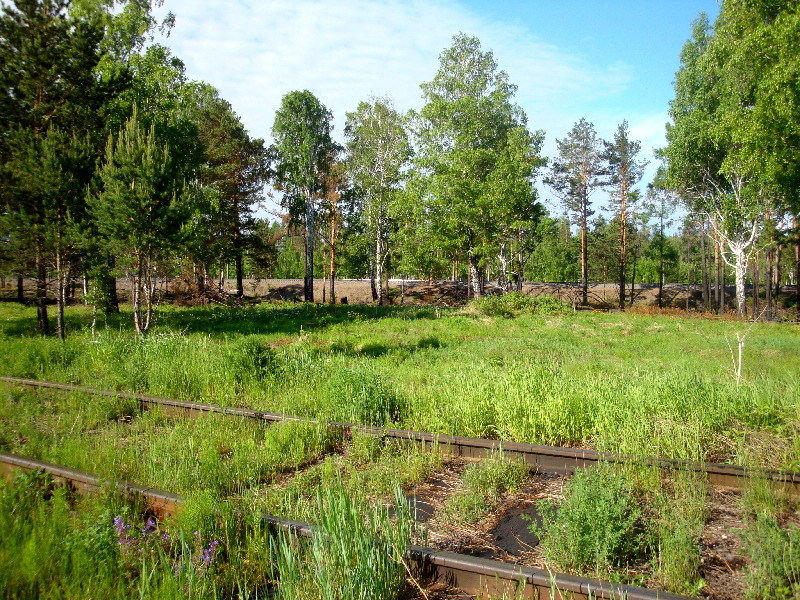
(141, 208)
(577, 172)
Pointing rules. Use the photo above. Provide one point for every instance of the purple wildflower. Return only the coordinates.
(150, 526)
(207, 555)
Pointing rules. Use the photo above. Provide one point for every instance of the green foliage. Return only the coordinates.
(362, 397)
(775, 555)
(356, 552)
(515, 303)
(252, 359)
(597, 527)
(476, 160)
(682, 516)
(484, 485)
(561, 380)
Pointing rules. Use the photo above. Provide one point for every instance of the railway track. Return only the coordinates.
(474, 576)
(547, 459)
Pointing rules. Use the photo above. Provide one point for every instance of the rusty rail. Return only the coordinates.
(551, 459)
(476, 576)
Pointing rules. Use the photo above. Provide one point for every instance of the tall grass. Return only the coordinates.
(625, 383)
(213, 452)
(53, 545)
(357, 551)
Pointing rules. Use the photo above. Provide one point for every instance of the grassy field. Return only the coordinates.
(634, 383)
(639, 384)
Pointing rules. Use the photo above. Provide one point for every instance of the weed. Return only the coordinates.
(682, 515)
(484, 485)
(355, 552)
(361, 397)
(598, 526)
(775, 555)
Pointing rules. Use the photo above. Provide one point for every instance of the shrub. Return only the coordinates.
(515, 303)
(597, 527)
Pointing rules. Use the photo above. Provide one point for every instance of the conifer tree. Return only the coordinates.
(141, 208)
(574, 175)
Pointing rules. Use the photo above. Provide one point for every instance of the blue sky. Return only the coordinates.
(602, 60)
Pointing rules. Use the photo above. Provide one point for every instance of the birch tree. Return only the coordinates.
(302, 151)
(378, 152)
(462, 133)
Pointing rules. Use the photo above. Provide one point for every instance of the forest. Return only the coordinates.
(116, 164)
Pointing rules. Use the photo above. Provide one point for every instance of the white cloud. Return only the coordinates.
(254, 52)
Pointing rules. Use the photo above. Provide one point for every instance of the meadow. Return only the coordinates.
(636, 383)
(631, 383)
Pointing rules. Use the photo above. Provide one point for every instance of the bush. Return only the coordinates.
(596, 528)
(515, 303)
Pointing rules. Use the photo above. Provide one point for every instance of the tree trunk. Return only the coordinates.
(60, 296)
(718, 299)
(474, 275)
(756, 276)
(741, 272)
(308, 279)
(502, 278)
(633, 277)
(332, 269)
(221, 282)
(20, 289)
(41, 290)
(623, 250)
(111, 298)
(768, 282)
(372, 279)
(703, 266)
(584, 261)
(796, 224)
(135, 299)
(239, 268)
(379, 251)
(778, 257)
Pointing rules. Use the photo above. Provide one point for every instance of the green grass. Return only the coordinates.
(643, 385)
(619, 382)
(217, 453)
(57, 546)
(369, 471)
(483, 485)
(54, 545)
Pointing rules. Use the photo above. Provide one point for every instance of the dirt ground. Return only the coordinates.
(602, 296)
(450, 293)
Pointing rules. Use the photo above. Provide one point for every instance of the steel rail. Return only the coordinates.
(475, 576)
(549, 459)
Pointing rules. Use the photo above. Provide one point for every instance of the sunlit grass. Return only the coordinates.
(636, 384)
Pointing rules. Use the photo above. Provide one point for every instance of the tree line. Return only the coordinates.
(115, 164)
